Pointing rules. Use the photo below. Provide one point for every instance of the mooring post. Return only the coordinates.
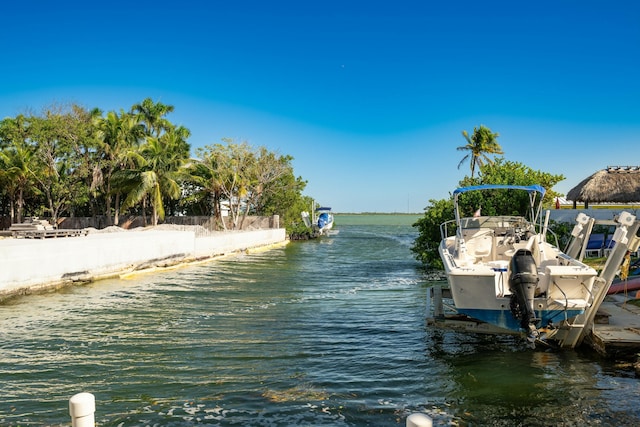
(419, 420)
(82, 408)
(438, 308)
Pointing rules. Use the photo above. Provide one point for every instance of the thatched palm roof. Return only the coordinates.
(618, 184)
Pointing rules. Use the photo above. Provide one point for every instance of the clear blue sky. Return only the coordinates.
(369, 97)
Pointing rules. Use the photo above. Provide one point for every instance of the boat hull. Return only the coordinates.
(504, 319)
(478, 296)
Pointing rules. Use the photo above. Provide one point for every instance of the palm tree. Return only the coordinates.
(16, 163)
(158, 172)
(120, 135)
(152, 116)
(479, 145)
(16, 173)
(206, 174)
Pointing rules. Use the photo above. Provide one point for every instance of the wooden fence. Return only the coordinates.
(127, 222)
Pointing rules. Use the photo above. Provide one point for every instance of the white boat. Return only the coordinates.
(503, 273)
(322, 221)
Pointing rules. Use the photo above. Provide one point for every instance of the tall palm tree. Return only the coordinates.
(16, 174)
(152, 116)
(479, 145)
(16, 163)
(120, 135)
(158, 173)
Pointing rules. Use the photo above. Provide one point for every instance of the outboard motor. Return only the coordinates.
(523, 280)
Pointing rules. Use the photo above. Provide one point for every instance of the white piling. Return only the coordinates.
(82, 408)
(419, 420)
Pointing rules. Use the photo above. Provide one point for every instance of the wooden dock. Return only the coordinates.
(616, 332)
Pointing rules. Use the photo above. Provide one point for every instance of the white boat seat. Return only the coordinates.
(483, 246)
(479, 243)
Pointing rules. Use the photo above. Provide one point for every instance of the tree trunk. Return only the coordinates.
(20, 207)
(11, 211)
(116, 213)
(107, 202)
(144, 212)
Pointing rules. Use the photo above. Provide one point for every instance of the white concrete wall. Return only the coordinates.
(30, 264)
(234, 241)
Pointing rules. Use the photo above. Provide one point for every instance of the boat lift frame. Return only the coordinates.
(569, 333)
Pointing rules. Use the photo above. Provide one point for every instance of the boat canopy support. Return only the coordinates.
(532, 190)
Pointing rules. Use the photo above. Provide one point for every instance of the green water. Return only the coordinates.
(328, 332)
(376, 219)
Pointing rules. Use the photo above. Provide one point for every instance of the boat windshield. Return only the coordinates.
(535, 195)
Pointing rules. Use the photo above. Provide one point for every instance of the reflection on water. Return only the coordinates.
(330, 332)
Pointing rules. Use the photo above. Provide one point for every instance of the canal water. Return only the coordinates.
(321, 333)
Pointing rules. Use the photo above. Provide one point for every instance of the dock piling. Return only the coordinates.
(82, 408)
(419, 420)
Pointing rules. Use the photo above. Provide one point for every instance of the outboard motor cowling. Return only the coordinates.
(523, 281)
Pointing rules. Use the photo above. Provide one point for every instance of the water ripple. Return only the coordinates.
(324, 333)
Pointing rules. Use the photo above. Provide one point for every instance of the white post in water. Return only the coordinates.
(82, 408)
(419, 420)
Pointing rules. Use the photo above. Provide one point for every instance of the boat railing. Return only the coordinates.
(566, 300)
(445, 227)
(555, 237)
(502, 225)
(592, 297)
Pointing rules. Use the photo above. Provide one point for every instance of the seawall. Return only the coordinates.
(33, 265)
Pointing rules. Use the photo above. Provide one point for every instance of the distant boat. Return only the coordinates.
(325, 220)
(502, 271)
(322, 221)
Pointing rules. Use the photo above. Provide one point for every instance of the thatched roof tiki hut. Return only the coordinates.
(615, 184)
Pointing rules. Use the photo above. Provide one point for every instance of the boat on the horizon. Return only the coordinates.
(503, 273)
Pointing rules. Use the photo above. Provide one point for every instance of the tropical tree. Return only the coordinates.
(425, 247)
(235, 163)
(119, 136)
(283, 197)
(263, 177)
(251, 180)
(16, 164)
(59, 172)
(158, 172)
(151, 115)
(205, 175)
(479, 145)
(82, 135)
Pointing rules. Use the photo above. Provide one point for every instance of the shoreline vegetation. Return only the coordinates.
(70, 161)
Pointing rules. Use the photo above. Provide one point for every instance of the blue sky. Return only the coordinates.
(369, 97)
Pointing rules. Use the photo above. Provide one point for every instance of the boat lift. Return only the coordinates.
(570, 332)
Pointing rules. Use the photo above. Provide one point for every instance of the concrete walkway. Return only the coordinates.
(32, 265)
